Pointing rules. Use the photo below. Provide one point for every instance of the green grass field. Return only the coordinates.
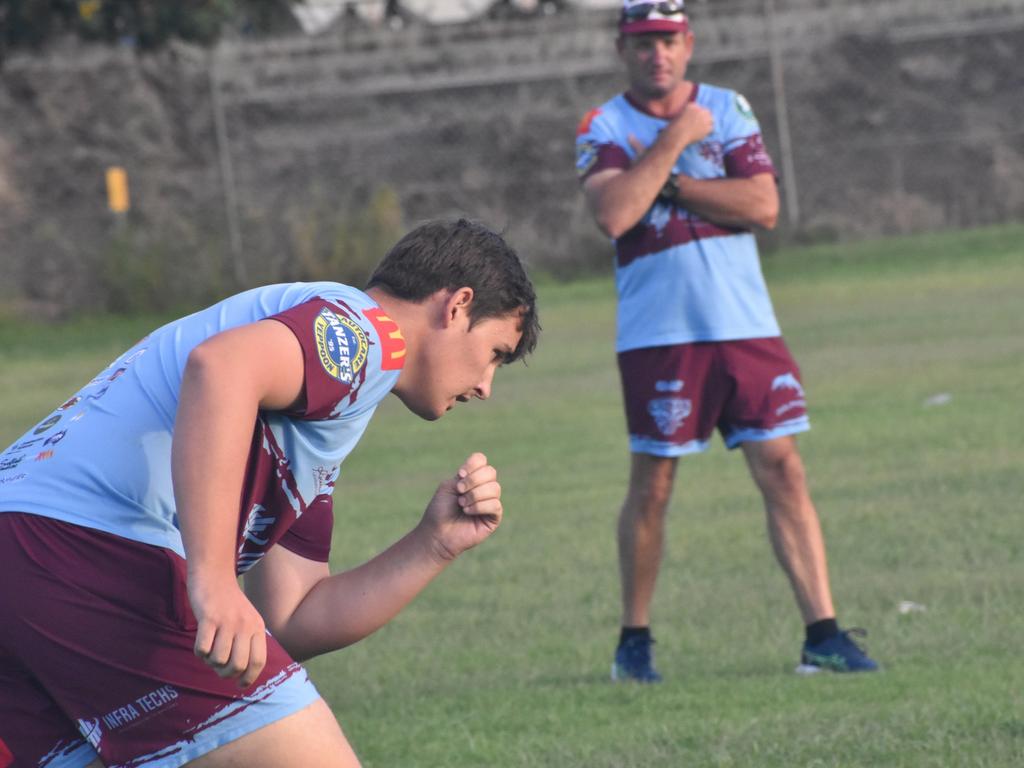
(504, 660)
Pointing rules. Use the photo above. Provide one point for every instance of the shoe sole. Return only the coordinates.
(627, 678)
(808, 669)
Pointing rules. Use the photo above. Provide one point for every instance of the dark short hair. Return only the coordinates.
(452, 254)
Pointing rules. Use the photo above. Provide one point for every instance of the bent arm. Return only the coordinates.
(311, 612)
(619, 198)
(749, 203)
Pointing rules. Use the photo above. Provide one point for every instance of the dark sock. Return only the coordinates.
(821, 630)
(628, 632)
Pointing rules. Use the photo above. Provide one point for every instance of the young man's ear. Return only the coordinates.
(458, 303)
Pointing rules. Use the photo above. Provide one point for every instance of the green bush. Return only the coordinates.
(344, 246)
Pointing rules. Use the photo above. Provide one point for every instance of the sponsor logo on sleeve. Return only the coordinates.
(341, 345)
(743, 107)
(586, 157)
(391, 340)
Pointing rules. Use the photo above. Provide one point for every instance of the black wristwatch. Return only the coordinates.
(671, 189)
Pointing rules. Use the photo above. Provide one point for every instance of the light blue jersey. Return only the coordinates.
(681, 278)
(103, 459)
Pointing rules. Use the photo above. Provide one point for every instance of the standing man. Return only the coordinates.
(677, 174)
(208, 451)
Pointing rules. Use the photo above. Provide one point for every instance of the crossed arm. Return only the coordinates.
(229, 378)
(619, 198)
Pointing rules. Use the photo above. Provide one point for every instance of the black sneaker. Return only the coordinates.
(839, 653)
(634, 660)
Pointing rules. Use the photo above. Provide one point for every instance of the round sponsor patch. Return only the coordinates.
(743, 106)
(340, 344)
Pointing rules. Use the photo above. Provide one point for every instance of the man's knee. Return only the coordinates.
(650, 485)
(780, 473)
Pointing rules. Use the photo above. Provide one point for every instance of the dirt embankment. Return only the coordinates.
(266, 159)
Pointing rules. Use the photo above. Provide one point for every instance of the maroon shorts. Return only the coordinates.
(96, 656)
(675, 396)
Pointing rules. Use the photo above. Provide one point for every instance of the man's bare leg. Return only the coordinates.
(641, 534)
(793, 525)
(309, 738)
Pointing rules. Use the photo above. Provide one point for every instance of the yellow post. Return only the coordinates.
(117, 189)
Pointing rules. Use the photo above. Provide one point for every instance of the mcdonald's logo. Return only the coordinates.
(391, 340)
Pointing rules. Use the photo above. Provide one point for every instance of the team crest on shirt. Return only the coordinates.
(669, 413)
(340, 344)
(713, 152)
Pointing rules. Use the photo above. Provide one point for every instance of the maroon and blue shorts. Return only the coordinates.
(676, 396)
(96, 656)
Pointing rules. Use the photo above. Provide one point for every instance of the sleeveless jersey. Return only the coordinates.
(103, 458)
(679, 277)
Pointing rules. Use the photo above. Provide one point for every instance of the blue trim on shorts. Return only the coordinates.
(78, 755)
(267, 704)
(792, 427)
(664, 448)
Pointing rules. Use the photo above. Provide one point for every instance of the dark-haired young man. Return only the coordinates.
(210, 450)
(677, 174)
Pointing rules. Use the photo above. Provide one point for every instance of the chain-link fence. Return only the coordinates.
(305, 157)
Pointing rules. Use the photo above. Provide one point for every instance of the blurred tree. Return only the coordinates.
(147, 24)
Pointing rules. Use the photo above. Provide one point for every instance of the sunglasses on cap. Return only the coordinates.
(644, 10)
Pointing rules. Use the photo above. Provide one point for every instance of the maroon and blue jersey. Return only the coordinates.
(102, 459)
(681, 278)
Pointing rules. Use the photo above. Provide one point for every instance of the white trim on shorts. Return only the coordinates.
(791, 427)
(77, 754)
(664, 448)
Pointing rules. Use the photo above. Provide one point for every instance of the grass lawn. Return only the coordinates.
(912, 353)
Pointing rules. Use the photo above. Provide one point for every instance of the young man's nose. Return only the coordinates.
(483, 390)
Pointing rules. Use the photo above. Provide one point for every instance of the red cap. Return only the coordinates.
(639, 16)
